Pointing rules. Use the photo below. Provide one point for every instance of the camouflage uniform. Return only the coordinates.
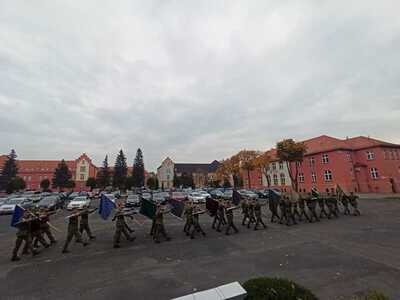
(252, 218)
(36, 232)
(120, 228)
(311, 205)
(345, 203)
(273, 207)
(229, 217)
(302, 206)
(23, 235)
(189, 219)
(321, 204)
(73, 230)
(245, 212)
(258, 214)
(220, 216)
(159, 226)
(84, 225)
(353, 202)
(196, 224)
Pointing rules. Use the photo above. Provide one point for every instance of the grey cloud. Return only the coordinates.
(194, 80)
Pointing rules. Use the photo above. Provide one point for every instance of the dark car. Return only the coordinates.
(160, 198)
(51, 203)
(180, 196)
(133, 200)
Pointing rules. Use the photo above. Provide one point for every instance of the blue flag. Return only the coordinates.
(177, 207)
(106, 207)
(17, 215)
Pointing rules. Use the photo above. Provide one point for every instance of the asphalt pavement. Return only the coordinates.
(334, 258)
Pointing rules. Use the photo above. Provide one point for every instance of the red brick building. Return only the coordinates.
(359, 164)
(34, 171)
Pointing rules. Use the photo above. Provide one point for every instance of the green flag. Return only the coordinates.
(148, 208)
(315, 193)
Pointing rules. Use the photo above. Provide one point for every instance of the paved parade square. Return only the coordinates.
(334, 258)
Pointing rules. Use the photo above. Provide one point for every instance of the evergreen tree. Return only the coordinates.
(16, 184)
(138, 170)
(129, 184)
(9, 170)
(103, 177)
(91, 182)
(45, 184)
(62, 176)
(152, 183)
(120, 171)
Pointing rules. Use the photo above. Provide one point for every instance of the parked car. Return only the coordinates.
(133, 200)
(79, 203)
(161, 198)
(216, 193)
(178, 196)
(227, 195)
(9, 206)
(35, 198)
(248, 194)
(3, 200)
(205, 194)
(261, 193)
(51, 203)
(73, 195)
(197, 197)
(146, 196)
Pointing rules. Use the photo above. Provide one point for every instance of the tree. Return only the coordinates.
(138, 170)
(62, 176)
(226, 184)
(103, 177)
(291, 152)
(91, 182)
(152, 183)
(120, 171)
(45, 184)
(262, 162)
(9, 171)
(129, 183)
(16, 184)
(70, 184)
(245, 159)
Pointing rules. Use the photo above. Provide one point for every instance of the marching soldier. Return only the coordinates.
(302, 206)
(258, 214)
(354, 203)
(221, 215)
(321, 204)
(273, 207)
(196, 212)
(23, 235)
(229, 216)
(282, 208)
(329, 200)
(189, 217)
(289, 212)
(345, 203)
(84, 225)
(44, 218)
(73, 230)
(159, 224)
(312, 205)
(36, 232)
(120, 225)
(252, 218)
(295, 210)
(245, 211)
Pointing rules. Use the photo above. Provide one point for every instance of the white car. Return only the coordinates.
(79, 203)
(8, 207)
(205, 194)
(197, 197)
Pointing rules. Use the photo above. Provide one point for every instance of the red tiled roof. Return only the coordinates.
(324, 143)
(362, 142)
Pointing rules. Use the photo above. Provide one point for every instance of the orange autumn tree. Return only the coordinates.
(291, 152)
(262, 162)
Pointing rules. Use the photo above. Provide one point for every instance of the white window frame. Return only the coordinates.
(280, 165)
(325, 158)
(374, 173)
(311, 161)
(328, 176)
(275, 178)
(301, 177)
(370, 155)
(313, 177)
(282, 177)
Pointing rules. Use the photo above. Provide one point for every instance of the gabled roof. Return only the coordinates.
(196, 167)
(362, 142)
(325, 143)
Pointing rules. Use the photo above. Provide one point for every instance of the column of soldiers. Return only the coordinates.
(289, 210)
(31, 229)
(292, 209)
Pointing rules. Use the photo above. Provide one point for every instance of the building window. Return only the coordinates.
(273, 166)
(301, 177)
(311, 161)
(328, 175)
(29, 178)
(313, 177)
(82, 177)
(370, 155)
(325, 158)
(283, 179)
(83, 169)
(276, 179)
(374, 173)
(386, 154)
(280, 165)
(348, 155)
(397, 154)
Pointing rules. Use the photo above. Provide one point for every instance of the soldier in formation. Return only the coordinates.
(229, 208)
(353, 199)
(121, 226)
(245, 211)
(24, 235)
(258, 215)
(73, 231)
(84, 225)
(159, 228)
(188, 213)
(196, 212)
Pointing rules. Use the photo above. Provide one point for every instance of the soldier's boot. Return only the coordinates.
(65, 250)
(15, 258)
(132, 238)
(117, 246)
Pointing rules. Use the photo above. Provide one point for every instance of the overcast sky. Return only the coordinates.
(193, 80)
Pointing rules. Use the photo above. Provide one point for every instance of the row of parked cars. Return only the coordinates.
(48, 200)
